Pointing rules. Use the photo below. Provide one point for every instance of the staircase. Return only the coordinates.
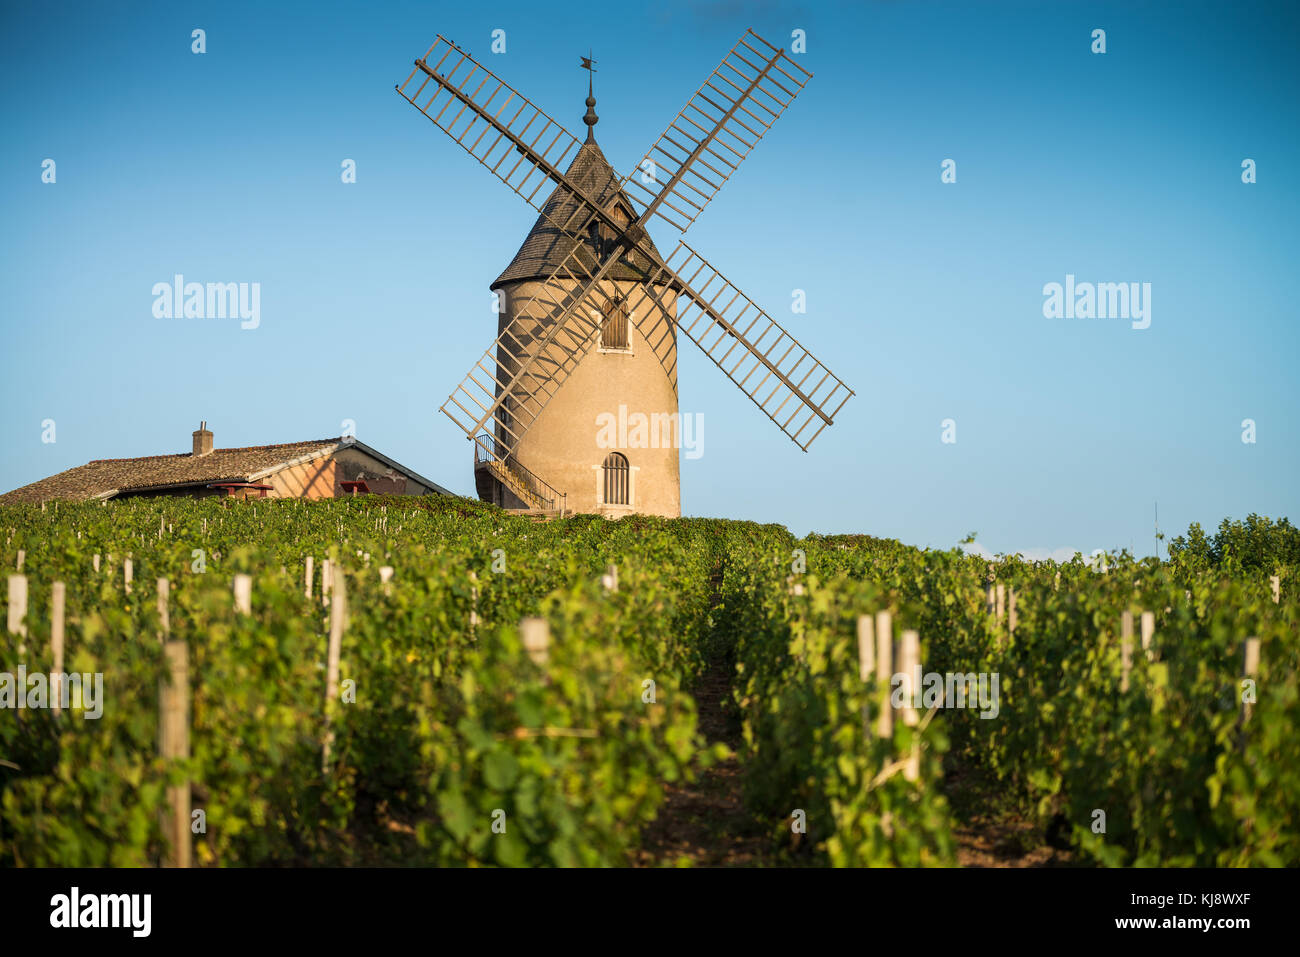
(489, 466)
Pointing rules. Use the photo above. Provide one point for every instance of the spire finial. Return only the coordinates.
(591, 119)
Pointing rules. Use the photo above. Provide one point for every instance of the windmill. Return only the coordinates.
(590, 269)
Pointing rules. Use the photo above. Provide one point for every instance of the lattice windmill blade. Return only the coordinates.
(752, 348)
(490, 120)
(713, 133)
(493, 122)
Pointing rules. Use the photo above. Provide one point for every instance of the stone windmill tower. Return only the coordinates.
(574, 406)
(628, 375)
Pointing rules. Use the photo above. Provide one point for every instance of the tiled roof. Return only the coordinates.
(163, 471)
(546, 247)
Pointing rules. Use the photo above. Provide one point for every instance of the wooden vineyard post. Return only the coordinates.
(610, 579)
(988, 600)
(174, 745)
(386, 576)
(866, 648)
(535, 633)
(95, 562)
(325, 581)
(1274, 580)
(1125, 648)
(243, 594)
(866, 666)
(128, 574)
(1250, 670)
(338, 617)
(164, 615)
(884, 671)
(58, 593)
(1056, 583)
(910, 667)
(22, 557)
(473, 608)
(18, 609)
(1148, 633)
(1000, 604)
(1012, 618)
(307, 578)
(909, 663)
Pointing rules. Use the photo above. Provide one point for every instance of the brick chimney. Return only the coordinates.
(202, 440)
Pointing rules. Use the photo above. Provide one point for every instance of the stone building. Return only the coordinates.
(326, 468)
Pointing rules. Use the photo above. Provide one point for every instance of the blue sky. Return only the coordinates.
(925, 297)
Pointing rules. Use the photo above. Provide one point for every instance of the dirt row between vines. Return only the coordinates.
(705, 823)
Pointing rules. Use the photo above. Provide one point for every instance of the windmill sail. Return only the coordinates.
(498, 126)
(792, 387)
(713, 133)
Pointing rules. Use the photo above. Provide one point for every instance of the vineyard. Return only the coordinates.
(431, 681)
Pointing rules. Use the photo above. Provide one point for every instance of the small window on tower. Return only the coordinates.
(613, 328)
(615, 480)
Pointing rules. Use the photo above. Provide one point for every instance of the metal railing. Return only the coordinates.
(547, 497)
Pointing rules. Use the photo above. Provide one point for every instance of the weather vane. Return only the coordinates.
(591, 119)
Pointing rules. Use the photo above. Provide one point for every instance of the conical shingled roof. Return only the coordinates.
(546, 247)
